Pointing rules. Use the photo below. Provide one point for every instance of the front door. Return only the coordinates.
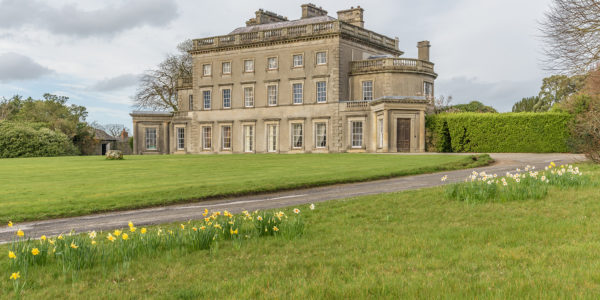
(403, 135)
(103, 149)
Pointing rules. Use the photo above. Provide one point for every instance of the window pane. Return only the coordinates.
(298, 60)
(367, 88)
(297, 135)
(321, 135)
(272, 94)
(180, 138)
(297, 91)
(206, 97)
(151, 138)
(321, 58)
(248, 97)
(206, 70)
(226, 137)
(321, 91)
(272, 62)
(226, 98)
(272, 138)
(357, 133)
(206, 137)
(248, 138)
(226, 68)
(248, 65)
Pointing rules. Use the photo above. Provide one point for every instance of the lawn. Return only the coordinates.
(41, 188)
(414, 244)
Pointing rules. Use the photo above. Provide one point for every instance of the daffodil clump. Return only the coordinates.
(518, 185)
(79, 251)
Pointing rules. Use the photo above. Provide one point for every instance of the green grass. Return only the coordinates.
(41, 188)
(414, 244)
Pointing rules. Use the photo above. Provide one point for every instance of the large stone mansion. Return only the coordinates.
(317, 84)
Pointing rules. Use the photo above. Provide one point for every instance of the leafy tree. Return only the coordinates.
(571, 32)
(473, 106)
(158, 87)
(557, 88)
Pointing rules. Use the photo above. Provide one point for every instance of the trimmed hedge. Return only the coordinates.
(32, 140)
(492, 132)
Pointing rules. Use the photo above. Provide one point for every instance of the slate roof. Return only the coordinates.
(102, 135)
(276, 25)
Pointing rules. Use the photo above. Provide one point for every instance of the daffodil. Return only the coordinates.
(132, 229)
(194, 229)
(92, 235)
(20, 233)
(60, 237)
(10, 224)
(296, 211)
(93, 242)
(182, 226)
(125, 236)
(51, 242)
(117, 232)
(74, 246)
(218, 226)
(130, 224)
(11, 255)
(35, 251)
(110, 237)
(231, 231)
(312, 207)
(275, 228)
(259, 218)
(15, 276)
(205, 212)
(202, 227)
(144, 230)
(43, 238)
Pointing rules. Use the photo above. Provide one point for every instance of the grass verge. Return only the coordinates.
(414, 244)
(42, 188)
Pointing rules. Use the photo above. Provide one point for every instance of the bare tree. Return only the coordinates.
(158, 87)
(571, 33)
(115, 130)
(442, 103)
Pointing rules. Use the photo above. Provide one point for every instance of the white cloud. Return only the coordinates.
(15, 66)
(116, 83)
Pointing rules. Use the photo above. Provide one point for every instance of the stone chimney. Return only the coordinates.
(310, 10)
(265, 17)
(352, 16)
(423, 47)
(124, 134)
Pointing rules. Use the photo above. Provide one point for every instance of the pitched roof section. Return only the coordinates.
(277, 25)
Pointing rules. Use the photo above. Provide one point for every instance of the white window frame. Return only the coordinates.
(294, 94)
(204, 99)
(223, 98)
(367, 90)
(206, 70)
(206, 137)
(155, 138)
(294, 135)
(226, 71)
(272, 137)
(355, 134)
(322, 62)
(246, 69)
(191, 102)
(317, 135)
(272, 94)
(425, 92)
(224, 137)
(272, 63)
(249, 131)
(180, 138)
(248, 97)
(301, 60)
(319, 100)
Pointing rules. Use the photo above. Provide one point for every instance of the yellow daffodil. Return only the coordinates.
(218, 226)
(35, 251)
(74, 246)
(144, 230)
(93, 242)
(15, 276)
(205, 212)
(230, 223)
(11, 255)
(51, 242)
(125, 236)
(43, 238)
(10, 224)
(296, 211)
(231, 231)
(203, 228)
(117, 232)
(182, 226)
(275, 228)
(132, 229)
(130, 224)
(194, 229)
(60, 237)
(92, 235)
(259, 218)
(20, 233)
(206, 220)
(110, 237)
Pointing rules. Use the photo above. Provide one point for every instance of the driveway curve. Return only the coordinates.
(183, 212)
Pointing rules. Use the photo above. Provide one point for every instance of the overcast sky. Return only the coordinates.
(93, 51)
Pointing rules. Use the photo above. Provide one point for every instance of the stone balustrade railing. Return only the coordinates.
(399, 64)
(295, 32)
(184, 82)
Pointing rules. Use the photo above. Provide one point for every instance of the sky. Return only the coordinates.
(94, 51)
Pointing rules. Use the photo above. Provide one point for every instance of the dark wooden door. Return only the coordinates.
(403, 135)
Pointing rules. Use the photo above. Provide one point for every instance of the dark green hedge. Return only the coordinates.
(32, 140)
(492, 132)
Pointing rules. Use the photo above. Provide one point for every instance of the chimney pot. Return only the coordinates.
(423, 47)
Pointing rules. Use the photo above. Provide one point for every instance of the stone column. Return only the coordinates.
(386, 131)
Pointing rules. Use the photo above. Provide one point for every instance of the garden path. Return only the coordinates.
(183, 212)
